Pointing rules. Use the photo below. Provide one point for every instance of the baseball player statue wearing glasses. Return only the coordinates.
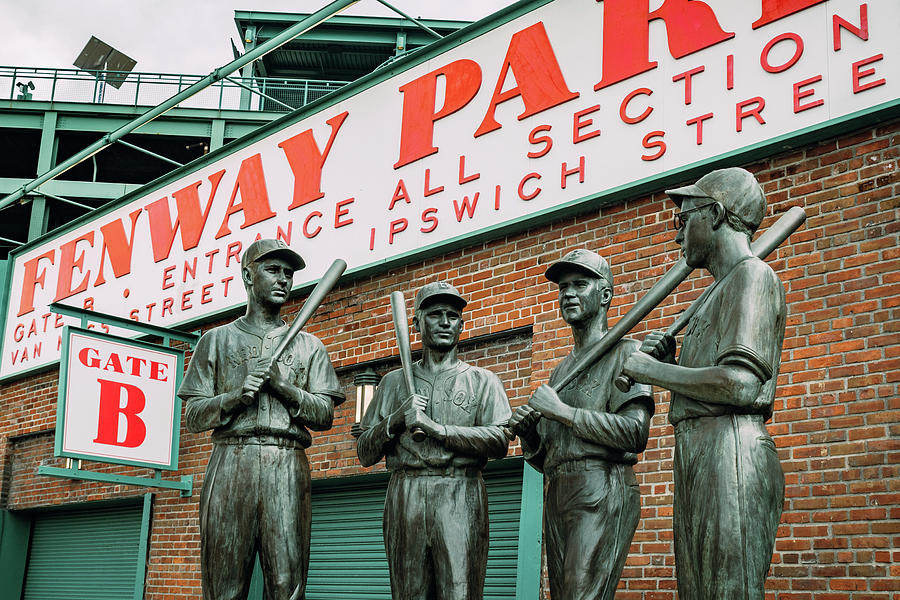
(729, 485)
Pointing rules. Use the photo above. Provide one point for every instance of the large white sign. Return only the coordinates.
(543, 107)
(117, 401)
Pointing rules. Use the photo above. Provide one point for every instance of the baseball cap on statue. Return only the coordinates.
(735, 188)
(580, 260)
(271, 248)
(439, 290)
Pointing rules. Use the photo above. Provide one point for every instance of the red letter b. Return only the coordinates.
(111, 408)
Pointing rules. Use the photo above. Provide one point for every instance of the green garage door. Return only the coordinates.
(347, 560)
(86, 554)
(347, 557)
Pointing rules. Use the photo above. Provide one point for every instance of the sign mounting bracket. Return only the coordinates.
(73, 471)
(145, 329)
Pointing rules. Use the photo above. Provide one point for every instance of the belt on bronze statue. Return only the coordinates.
(259, 440)
(440, 472)
(686, 425)
(583, 464)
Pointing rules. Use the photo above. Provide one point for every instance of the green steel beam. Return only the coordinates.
(246, 17)
(417, 37)
(149, 153)
(101, 118)
(64, 200)
(254, 91)
(40, 216)
(216, 134)
(249, 37)
(185, 484)
(74, 189)
(363, 38)
(163, 126)
(191, 125)
(528, 561)
(33, 119)
(48, 139)
(417, 23)
(141, 569)
(217, 75)
(401, 44)
(237, 130)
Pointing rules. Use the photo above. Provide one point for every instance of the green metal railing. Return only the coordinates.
(180, 97)
(149, 89)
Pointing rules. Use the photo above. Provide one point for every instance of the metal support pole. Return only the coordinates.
(37, 223)
(217, 134)
(417, 22)
(149, 153)
(250, 37)
(48, 141)
(9, 241)
(252, 91)
(288, 34)
(66, 200)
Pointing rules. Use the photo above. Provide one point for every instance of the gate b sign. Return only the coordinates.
(117, 400)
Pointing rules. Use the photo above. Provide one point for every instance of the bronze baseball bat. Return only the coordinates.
(401, 330)
(315, 298)
(762, 247)
(780, 230)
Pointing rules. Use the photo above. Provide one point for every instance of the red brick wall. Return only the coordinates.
(837, 417)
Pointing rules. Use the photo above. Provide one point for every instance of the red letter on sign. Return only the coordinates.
(462, 78)
(110, 409)
(690, 26)
(772, 10)
(862, 32)
(67, 265)
(117, 247)
(858, 74)
(33, 279)
(539, 80)
(307, 162)
(755, 106)
(189, 218)
(254, 198)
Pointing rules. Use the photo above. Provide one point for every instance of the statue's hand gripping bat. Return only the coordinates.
(788, 223)
(401, 329)
(316, 296)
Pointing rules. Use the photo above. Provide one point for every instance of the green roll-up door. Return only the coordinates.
(347, 558)
(86, 554)
(504, 504)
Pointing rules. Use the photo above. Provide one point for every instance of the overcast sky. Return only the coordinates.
(170, 36)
